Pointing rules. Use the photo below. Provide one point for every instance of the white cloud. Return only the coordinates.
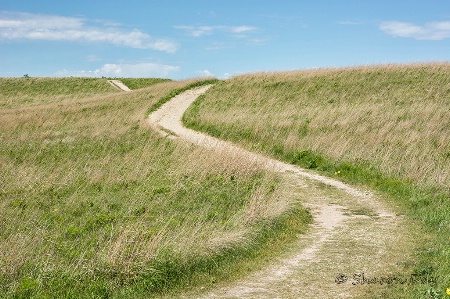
(225, 76)
(198, 31)
(428, 31)
(14, 26)
(218, 46)
(25, 21)
(205, 73)
(240, 29)
(139, 70)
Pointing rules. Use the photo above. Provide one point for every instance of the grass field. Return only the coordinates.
(94, 204)
(387, 127)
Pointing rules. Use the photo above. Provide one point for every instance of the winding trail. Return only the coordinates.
(119, 84)
(353, 230)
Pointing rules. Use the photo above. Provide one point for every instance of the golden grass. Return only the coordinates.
(19, 92)
(86, 187)
(395, 116)
(387, 127)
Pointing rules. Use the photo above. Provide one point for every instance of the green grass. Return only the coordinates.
(385, 127)
(137, 83)
(93, 204)
(178, 91)
(18, 92)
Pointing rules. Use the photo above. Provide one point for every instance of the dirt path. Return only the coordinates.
(353, 231)
(119, 84)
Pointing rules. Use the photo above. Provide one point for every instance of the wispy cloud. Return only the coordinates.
(218, 46)
(428, 31)
(137, 70)
(25, 26)
(240, 29)
(207, 73)
(198, 31)
(350, 22)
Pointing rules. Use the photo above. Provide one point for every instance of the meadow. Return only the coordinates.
(386, 127)
(95, 204)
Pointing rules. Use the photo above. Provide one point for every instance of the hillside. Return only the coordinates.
(396, 117)
(18, 92)
(94, 204)
(387, 127)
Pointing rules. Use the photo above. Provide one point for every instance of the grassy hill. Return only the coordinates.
(94, 204)
(18, 92)
(387, 127)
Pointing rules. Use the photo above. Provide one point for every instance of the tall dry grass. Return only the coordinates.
(397, 117)
(387, 127)
(93, 202)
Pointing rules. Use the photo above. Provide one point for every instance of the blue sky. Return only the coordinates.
(192, 38)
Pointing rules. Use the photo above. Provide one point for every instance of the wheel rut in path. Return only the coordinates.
(353, 232)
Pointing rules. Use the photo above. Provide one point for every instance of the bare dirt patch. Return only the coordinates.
(119, 84)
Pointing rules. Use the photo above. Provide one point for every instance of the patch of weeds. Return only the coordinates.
(304, 128)
(73, 232)
(307, 159)
(139, 211)
(20, 204)
(27, 288)
(433, 293)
